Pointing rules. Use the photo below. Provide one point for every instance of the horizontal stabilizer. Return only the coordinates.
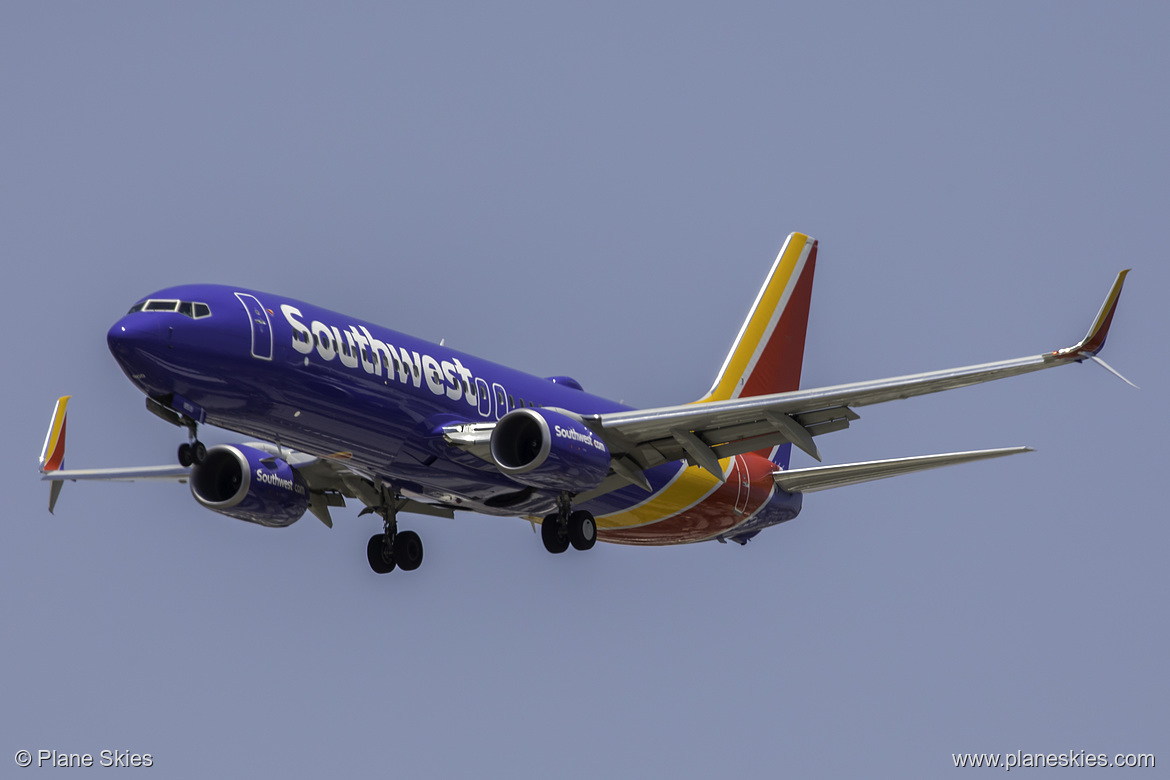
(817, 478)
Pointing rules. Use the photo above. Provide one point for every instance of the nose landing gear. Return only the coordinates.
(192, 452)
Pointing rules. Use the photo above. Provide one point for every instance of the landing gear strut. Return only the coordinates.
(192, 452)
(393, 548)
(566, 526)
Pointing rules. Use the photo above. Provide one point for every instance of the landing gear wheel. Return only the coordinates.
(582, 530)
(408, 550)
(193, 453)
(550, 533)
(378, 554)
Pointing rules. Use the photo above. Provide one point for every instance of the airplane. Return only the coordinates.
(345, 409)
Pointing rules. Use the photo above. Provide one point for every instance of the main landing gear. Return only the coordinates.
(393, 548)
(192, 452)
(566, 526)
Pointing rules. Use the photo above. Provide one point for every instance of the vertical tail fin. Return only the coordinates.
(768, 352)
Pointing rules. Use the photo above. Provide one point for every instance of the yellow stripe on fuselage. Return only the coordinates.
(756, 326)
(689, 487)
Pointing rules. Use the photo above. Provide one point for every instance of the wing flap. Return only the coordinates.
(811, 480)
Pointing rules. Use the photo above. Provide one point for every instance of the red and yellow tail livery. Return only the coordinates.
(768, 353)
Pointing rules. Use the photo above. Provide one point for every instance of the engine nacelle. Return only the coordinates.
(549, 450)
(237, 481)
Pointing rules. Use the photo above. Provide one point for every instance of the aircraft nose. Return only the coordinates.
(131, 336)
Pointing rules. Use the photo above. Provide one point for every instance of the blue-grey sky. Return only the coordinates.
(597, 190)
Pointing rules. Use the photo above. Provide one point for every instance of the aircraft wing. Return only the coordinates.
(59, 477)
(329, 479)
(158, 473)
(704, 433)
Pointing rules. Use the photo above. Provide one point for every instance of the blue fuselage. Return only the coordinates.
(328, 384)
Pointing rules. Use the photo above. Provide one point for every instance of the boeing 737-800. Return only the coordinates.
(346, 409)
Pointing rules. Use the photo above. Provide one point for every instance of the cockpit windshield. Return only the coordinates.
(187, 308)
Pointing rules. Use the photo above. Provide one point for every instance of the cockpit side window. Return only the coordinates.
(190, 309)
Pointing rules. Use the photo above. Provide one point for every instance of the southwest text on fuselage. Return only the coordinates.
(355, 347)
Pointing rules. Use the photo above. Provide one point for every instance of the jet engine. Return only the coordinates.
(549, 450)
(248, 484)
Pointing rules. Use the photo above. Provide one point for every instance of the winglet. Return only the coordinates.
(53, 453)
(1094, 340)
